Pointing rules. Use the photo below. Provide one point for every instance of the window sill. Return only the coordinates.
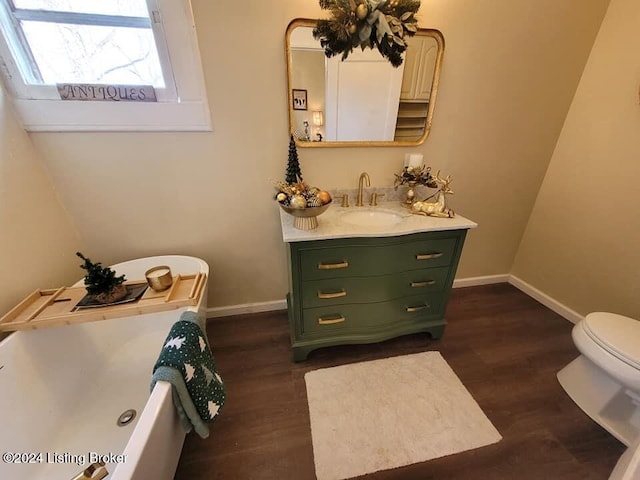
(70, 116)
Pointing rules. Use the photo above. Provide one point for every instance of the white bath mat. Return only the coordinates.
(388, 413)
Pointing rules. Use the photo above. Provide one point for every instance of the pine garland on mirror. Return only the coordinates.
(381, 24)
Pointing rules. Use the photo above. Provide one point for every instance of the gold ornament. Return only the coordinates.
(314, 202)
(298, 201)
(362, 11)
(325, 197)
(352, 29)
(281, 197)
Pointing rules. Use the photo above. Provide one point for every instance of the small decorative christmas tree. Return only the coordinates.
(297, 198)
(294, 175)
(101, 282)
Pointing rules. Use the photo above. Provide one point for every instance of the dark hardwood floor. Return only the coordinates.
(504, 346)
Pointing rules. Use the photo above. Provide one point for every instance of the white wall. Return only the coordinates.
(309, 75)
(581, 245)
(38, 241)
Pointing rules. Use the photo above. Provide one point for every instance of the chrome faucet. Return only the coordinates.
(363, 176)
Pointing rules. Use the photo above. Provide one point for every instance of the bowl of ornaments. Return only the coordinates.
(304, 203)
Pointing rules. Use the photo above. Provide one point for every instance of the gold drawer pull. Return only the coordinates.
(428, 256)
(333, 266)
(341, 293)
(330, 321)
(422, 284)
(418, 308)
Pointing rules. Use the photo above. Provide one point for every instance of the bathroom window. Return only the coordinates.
(105, 42)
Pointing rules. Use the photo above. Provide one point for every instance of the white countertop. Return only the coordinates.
(331, 225)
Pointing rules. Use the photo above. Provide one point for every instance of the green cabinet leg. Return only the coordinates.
(300, 354)
(437, 332)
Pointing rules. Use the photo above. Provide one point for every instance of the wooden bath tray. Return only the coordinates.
(55, 307)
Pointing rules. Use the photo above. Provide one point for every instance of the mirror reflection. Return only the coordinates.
(363, 100)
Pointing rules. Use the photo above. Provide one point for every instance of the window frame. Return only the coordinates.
(182, 105)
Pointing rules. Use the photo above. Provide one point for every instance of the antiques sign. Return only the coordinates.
(106, 93)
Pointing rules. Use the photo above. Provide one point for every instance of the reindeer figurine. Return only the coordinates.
(439, 207)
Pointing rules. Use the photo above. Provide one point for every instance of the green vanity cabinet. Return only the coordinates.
(369, 289)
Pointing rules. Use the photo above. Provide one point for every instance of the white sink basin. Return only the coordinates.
(371, 217)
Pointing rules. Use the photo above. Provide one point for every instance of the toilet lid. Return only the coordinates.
(617, 334)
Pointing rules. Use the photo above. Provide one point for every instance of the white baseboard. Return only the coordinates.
(228, 311)
(476, 281)
(546, 300)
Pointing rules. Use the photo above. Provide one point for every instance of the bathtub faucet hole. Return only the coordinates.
(126, 417)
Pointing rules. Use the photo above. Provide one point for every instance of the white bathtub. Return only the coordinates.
(62, 390)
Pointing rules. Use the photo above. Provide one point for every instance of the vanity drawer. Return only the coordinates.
(365, 259)
(343, 290)
(354, 319)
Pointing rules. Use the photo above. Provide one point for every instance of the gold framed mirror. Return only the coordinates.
(363, 101)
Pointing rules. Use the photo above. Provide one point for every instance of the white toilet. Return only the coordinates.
(604, 381)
